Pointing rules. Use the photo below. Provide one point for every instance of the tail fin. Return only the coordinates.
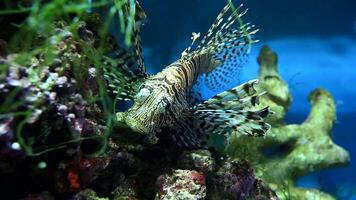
(228, 43)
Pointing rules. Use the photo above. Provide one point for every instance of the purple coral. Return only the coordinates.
(234, 180)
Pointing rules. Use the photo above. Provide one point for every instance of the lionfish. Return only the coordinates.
(170, 103)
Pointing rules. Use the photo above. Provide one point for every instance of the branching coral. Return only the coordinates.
(290, 150)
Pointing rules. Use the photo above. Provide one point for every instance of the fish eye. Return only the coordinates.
(144, 92)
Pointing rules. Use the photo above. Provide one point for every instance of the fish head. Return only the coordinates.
(149, 110)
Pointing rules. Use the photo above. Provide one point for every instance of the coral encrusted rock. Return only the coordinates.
(181, 185)
(200, 160)
(236, 180)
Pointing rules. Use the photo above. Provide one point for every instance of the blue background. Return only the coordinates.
(316, 44)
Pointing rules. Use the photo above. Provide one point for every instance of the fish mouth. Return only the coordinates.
(127, 121)
(136, 126)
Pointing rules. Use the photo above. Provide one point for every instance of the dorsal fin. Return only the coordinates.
(124, 69)
(227, 44)
(121, 80)
(134, 17)
(140, 17)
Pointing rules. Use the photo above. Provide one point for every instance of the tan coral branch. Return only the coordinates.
(301, 148)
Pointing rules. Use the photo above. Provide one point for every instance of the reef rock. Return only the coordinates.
(200, 160)
(236, 180)
(181, 185)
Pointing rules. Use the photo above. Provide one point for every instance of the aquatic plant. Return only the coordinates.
(290, 150)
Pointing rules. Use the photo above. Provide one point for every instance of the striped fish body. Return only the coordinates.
(163, 101)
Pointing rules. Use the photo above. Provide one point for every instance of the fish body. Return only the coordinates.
(169, 100)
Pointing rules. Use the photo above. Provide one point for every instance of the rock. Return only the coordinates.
(234, 180)
(200, 160)
(181, 185)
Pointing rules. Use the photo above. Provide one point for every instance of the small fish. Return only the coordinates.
(169, 102)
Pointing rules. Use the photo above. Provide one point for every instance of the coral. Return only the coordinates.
(88, 194)
(125, 191)
(261, 191)
(49, 97)
(200, 160)
(81, 170)
(181, 185)
(236, 180)
(50, 118)
(289, 151)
